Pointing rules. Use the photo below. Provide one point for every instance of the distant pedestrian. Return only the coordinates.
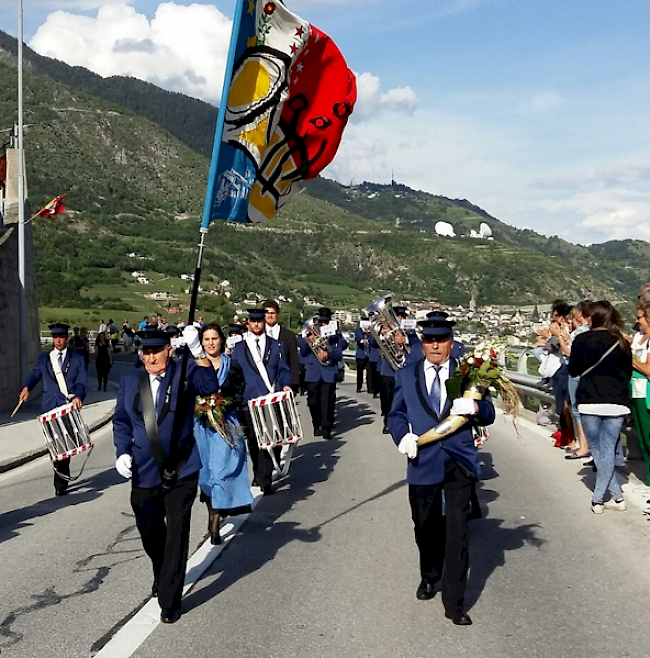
(102, 327)
(83, 332)
(144, 323)
(112, 334)
(127, 336)
(103, 360)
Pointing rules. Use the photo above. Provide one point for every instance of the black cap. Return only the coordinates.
(256, 313)
(437, 315)
(436, 327)
(59, 328)
(401, 310)
(173, 331)
(153, 337)
(324, 314)
(236, 329)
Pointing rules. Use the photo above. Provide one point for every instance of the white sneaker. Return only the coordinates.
(619, 505)
(597, 508)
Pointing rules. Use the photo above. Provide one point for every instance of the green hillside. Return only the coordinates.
(133, 188)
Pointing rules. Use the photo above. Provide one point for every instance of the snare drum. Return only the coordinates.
(276, 423)
(66, 434)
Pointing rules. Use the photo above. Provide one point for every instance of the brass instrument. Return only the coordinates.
(384, 327)
(317, 342)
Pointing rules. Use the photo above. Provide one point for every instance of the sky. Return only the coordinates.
(535, 110)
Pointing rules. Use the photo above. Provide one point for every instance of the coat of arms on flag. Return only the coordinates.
(288, 103)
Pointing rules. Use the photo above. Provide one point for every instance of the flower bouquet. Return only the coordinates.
(478, 371)
(210, 408)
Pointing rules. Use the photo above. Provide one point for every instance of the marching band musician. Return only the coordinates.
(265, 369)
(286, 337)
(386, 372)
(449, 466)
(64, 376)
(373, 366)
(143, 425)
(235, 334)
(321, 379)
(361, 355)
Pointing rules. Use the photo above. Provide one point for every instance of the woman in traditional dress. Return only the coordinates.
(224, 475)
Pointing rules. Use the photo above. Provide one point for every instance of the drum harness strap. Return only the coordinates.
(60, 380)
(175, 463)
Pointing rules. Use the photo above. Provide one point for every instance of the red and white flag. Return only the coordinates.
(54, 207)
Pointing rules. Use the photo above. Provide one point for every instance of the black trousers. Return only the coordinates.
(303, 385)
(374, 378)
(321, 399)
(163, 520)
(62, 466)
(261, 459)
(386, 393)
(362, 366)
(443, 541)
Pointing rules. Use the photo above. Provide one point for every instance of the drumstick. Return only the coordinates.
(13, 413)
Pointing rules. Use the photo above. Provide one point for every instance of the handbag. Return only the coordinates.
(549, 365)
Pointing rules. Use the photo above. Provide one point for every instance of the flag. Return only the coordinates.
(288, 102)
(54, 207)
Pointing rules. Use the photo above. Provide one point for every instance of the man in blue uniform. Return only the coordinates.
(148, 402)
(386, 372)
(361, 338)
(374, 358)
(265, 370)
(64, 376)
(287, 339)
(449, 466)
(321, 379)
(457, 350)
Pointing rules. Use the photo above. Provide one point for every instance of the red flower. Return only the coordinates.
(478, 361)
(493, 353)
(269, 8)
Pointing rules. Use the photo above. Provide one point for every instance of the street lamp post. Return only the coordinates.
(21, 204)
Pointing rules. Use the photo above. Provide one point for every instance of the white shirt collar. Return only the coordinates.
(273, 331)
(62, 352)
(444, 367)
(153, 378)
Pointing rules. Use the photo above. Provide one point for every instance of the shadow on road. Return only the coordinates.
(351, 414)
(80, 492)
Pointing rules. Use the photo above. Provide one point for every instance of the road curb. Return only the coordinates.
(25, 458)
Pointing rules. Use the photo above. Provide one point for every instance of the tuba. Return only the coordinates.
(384, 326)
(318, 343)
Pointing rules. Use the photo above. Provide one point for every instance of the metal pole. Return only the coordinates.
(21, 203)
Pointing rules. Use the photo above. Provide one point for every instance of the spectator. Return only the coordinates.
(127, 335)
(112, 333)
(83, 333)
(144, 323)
(103, 360)
(102, 327)
(603, 360)
(579, 324)
(75, 343)
(639, 383)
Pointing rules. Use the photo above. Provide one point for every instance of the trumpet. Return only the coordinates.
(317, 342)
(384, 327)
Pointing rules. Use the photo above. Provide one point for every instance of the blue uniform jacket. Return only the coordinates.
(361, 339)
(411, 412)
(375, 352)
(276, 367)
(74, 373)
(302, 359)
(130, 434)
(414, 355)
(315, 371)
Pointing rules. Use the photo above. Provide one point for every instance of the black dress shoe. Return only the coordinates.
(318, 431)
(254, 483)
(61, 492)
(327, 435)
(215, 538)
(459, 618)
(426, 590)
(358, 390)
(385, 430)
(154, 590)
(170, 616)
(268, 491)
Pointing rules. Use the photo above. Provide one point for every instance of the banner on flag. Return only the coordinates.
(54, 207)
(289, 101)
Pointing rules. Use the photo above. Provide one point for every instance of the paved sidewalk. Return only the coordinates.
(21, 437)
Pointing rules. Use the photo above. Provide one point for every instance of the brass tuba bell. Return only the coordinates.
(384, 326)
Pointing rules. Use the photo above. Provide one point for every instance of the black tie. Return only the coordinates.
(61, 360)
(257, 345)
(159, 394)
(434, 394)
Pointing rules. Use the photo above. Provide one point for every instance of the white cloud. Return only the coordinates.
(371, 101)
(182, 48)
(542, 102)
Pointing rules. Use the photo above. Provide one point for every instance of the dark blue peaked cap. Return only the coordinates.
(59, 328)
(153, 337)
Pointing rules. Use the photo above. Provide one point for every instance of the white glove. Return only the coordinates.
(409, 445)
(463, 407)
(123, 466)
(193, 341)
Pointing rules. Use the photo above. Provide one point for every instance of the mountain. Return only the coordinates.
(135, 193)
(191, 120)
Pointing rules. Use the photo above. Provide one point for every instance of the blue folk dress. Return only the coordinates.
(223, 478)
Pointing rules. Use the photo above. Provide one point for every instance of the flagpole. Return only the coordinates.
(21, 202)
(169, 468)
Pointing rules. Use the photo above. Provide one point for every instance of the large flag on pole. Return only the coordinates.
(288, 96)
(52, 208)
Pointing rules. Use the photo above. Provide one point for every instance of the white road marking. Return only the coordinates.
(127, 640)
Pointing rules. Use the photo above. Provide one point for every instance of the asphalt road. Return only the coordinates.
(328, 566)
